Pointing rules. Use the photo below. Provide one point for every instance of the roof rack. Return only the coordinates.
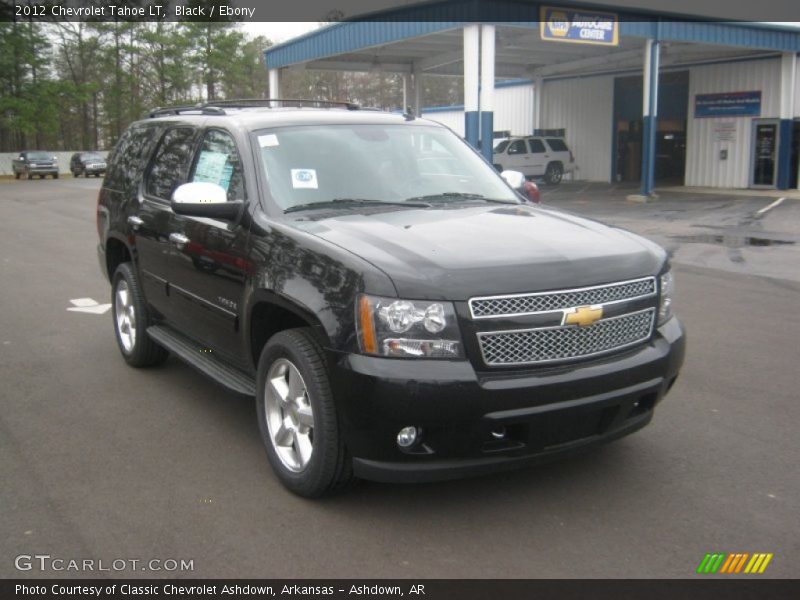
(204, 109)
(217, 107)
(270, 102)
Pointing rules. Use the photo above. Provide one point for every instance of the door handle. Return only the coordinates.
(179, 240)
(135, 222)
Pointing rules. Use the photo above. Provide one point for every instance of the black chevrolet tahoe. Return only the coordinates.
(399, 312)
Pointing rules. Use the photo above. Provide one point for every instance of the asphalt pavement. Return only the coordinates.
(100, 461)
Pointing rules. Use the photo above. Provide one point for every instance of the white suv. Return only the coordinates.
(534, 157)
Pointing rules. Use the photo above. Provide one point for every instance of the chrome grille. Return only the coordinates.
(526, 304)
(549, 344)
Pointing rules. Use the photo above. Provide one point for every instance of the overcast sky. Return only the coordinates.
(279, 32)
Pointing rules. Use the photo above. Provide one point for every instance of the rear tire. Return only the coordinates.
(16, 174)
(30, 176)
(554, 173)
(131, 320)
(297, 416)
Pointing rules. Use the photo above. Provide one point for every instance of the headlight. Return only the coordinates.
(666, 290)
(405, 328)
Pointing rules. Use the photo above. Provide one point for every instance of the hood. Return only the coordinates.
(455, 253)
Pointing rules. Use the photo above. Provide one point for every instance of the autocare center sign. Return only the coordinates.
(578, 26)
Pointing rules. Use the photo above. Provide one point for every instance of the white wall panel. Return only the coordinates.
(64, 156)
(454, 119)
(703, 164)
(513, 111)
(585, 108)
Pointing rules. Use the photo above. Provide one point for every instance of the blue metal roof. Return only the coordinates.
(406, 23)
(349, 36)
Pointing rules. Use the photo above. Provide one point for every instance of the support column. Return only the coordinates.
(649, 116)
(538, 87)
(274, 83)
(404, 107)
(471, 83)
(788, 74)
(487, 90)
(416, 100)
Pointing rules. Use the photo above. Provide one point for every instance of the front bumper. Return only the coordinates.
(542, 414)
(41, 170)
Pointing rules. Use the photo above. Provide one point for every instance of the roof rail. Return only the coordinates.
(217, 107)
(204, 109)
(270, 102)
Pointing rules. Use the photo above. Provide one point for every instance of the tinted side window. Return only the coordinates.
(517, 147)
(170, 163)
(536, 145)
(127, 157)
(501, 147)
(557, 145)
(218, 162)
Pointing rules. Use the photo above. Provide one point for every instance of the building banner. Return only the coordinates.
(578, 26)
(728, 104)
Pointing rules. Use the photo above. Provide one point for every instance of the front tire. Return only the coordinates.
(131, 319)
(55, 175)
(297, 416)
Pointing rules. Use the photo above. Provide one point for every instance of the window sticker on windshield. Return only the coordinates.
(304, 178)
(268, 140)
(211, 167)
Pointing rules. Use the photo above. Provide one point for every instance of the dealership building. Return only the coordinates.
(655, 98)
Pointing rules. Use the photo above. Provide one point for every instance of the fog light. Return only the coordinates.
(407, 436)
(499, 433)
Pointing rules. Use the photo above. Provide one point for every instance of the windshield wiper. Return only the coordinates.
(354, 201)
(449, 196)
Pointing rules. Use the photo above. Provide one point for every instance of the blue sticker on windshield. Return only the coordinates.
(304, 178)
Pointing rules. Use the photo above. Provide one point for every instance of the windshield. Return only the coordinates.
(375, 163)
(39, 156)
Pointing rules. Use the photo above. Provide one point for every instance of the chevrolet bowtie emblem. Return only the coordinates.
(582, 315)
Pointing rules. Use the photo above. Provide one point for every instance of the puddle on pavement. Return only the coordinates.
(730, 241)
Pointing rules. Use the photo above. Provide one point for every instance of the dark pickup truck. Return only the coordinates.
(35, 162)
(397, 308)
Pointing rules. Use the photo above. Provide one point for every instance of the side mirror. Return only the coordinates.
(203, 199)
(517, 181)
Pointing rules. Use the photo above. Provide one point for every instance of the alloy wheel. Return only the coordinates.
(289, 416)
